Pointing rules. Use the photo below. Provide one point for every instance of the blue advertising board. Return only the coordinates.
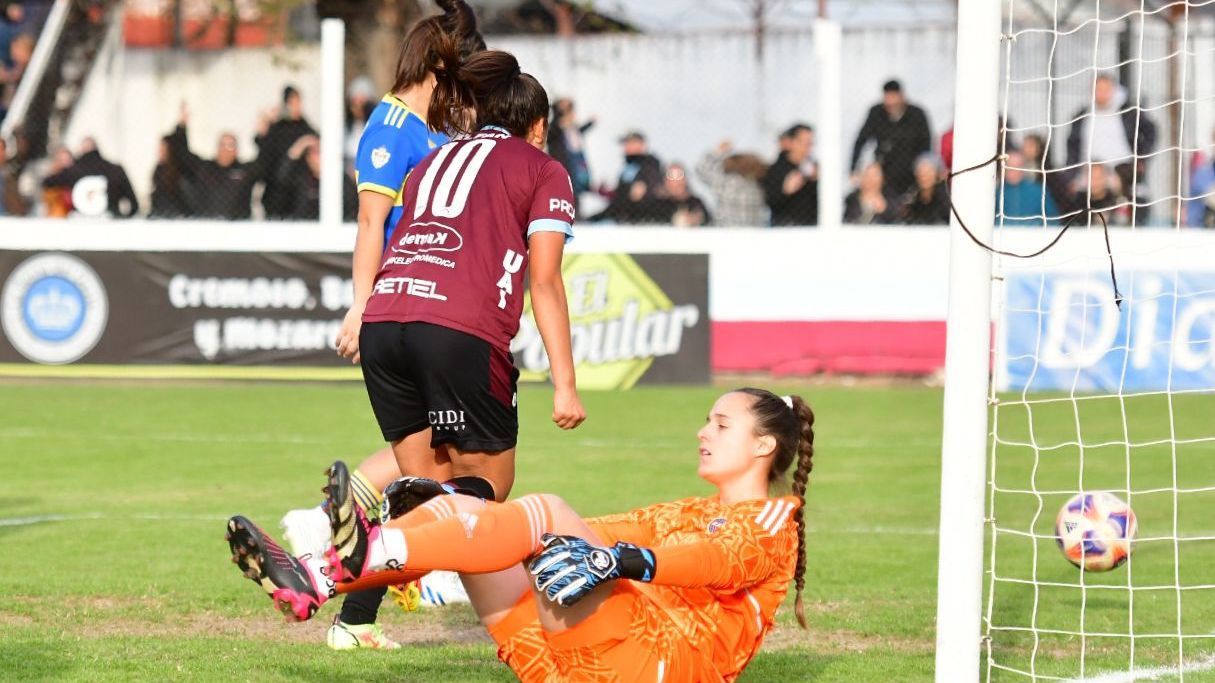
(1063, 331)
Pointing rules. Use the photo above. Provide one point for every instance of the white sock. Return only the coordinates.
(318, 571)
(387, 551)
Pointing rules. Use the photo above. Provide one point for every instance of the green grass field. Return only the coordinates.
(133, 580)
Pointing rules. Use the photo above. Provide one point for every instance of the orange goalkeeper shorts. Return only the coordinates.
(629, 638)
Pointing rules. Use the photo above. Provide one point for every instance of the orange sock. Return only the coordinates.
(489, 540)
(388, 577)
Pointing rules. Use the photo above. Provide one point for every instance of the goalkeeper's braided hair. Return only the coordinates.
(793, 430)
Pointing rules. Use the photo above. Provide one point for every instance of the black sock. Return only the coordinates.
(477, 487)
(362, 607)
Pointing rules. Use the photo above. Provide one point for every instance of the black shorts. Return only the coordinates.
(420, 375)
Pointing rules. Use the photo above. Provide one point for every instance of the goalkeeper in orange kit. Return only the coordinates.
(680, 591)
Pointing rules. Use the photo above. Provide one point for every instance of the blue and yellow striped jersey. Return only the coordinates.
(393, 142)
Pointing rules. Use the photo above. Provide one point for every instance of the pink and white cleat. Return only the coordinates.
(289, 583)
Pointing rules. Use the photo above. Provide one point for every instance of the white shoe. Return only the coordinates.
(307, 531)
(442, 588)
(348, 637)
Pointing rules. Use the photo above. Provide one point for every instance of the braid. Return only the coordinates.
(791, 421)
(805, 463)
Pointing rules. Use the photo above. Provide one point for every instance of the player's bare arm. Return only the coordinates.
(553, 320)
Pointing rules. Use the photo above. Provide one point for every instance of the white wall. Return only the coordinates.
(856, 274)
(133, 98)
(687, 93)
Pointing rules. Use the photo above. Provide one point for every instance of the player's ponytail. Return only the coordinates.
(790, 421)
(504, 95)
(801, 477)
(437, 46)
(460, 21)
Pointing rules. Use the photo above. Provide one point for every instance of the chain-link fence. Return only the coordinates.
(1109, 111)
(188, 109)
(168, 110)
(183, 109)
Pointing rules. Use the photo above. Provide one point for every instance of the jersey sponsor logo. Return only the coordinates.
(422, 238)
(715, 525)
(561, 205)
(53, 308)
(380, 157)
(419, 258)
(412, 286)
(512, 262)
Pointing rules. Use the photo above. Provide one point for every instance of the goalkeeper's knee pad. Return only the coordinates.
(407, 493)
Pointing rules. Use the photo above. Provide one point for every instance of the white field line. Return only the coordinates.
(25, 433)
(1160, 673)
(618, 444)
(42, 519)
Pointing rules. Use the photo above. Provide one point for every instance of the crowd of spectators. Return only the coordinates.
(280, 182)
(901, 183)
(20, 23)
(899, 177)
(1103, 176)
(286, 169)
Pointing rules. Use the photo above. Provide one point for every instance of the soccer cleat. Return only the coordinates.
(408, 596)
(352, 532)
(439, 589)
(342, 636)
(284, 578)
(407, 493)
(307, 531)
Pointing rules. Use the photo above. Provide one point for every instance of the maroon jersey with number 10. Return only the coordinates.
(458, 256)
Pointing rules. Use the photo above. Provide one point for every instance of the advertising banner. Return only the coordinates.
(635, 318)
(639, 318)
(1064, 331)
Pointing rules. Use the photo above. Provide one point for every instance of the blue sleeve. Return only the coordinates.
(551, 225)
(382, 161)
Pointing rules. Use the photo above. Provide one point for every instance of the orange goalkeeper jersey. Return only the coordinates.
(722, 570)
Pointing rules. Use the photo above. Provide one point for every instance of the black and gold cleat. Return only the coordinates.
(350, 527)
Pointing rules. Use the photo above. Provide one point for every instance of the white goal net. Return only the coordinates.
(1104, 382)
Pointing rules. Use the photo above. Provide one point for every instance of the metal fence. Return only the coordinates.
(681, 128)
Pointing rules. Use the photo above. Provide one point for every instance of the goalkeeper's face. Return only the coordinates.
(729, 447)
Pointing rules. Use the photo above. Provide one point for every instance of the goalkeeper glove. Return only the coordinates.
(569, 568)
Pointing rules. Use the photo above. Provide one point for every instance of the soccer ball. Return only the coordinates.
(1096, 531)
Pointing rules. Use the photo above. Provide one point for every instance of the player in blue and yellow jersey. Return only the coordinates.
(395, 140)
(425, 106)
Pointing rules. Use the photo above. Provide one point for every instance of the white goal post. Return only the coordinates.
(968, 338)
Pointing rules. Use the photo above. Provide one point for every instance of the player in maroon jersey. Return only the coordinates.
(480, 213)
